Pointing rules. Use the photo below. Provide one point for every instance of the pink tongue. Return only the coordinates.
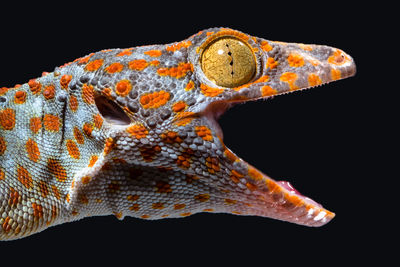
(292, 190)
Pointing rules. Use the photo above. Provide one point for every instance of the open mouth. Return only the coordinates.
(278, 199)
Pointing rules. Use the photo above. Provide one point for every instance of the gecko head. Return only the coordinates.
(233, 66)
(168, 98)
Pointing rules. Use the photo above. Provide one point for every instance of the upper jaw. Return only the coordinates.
(291, 67)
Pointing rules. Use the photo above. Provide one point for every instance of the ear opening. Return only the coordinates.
(111, 112)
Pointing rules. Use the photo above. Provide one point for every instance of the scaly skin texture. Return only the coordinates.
(133, 132)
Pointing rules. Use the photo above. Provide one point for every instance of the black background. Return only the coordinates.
(320, 139)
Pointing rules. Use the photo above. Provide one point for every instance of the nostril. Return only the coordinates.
(338, 58)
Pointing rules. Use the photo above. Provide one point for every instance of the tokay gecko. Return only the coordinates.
(134, 132)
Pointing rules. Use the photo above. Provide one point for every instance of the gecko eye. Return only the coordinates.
(228, 62)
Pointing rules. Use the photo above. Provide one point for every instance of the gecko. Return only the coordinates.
(134, 132)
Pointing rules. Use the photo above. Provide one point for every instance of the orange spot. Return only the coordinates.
(338, 58)
(109, 145)
(84, 60)
(210, 91)
(212, 164)
(204, 132)
(125, 52)
(272, 186)
(7, 119)
(98, 121)
(230, 201)
(158, 206)
(65, 80)
(184, 160)
(138, 64)
(236, 176)
(305, 47)
(134, 207)
(35, 86)
(153, 53)
(336, 74)
(170, 137)
(179, 206)
(271, 63)
(185, 214)
(177, 46)
(290, 78)
(93, 160)
(51, 123)
(20, 97)
(184, 118)
(176, 72)
(266, 46)
(107, 92)
(49, 92)
(163, 187)
(57, 170)
(86, 179)
(154, 100)
(251, 186)
(295, 60)
(254, 173)
(229, 155)
(179, 106)
(33, 150)
(78, 136)
(24, 177)
(35, 124)
(88, 93)
(3, 90)
(94, 65)
(37, 210)
(191, 178)
(73, 103)
(87, 129)
(268, 91)
(202, 197)
(148, 153)
(73, 149)
(145, 216)
(123, 88)
(138, 131)
(2, 174)
(14, 197)
(44, 189)
(155, 63)
(132, 197)
(55, 191)
(314, 80)
(208, 210)
(114, 67)
(6, 227)
(3, 146)
(189, 86)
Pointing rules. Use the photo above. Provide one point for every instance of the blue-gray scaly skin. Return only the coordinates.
(133, 132)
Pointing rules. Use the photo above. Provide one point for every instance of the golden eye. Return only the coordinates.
(228, 62)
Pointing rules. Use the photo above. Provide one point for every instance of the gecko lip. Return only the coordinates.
(288, 186)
